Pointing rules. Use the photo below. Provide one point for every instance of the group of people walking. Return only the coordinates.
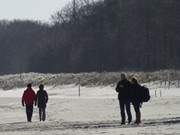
(128, 92)
(30, 98)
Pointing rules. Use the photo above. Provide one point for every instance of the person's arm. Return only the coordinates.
(46, 97)
(22, 101)
(35, 98)
(119, 87)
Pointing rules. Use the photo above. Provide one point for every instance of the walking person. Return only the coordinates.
(136, 101)
(28, 100)
(41, 101)
(123, 89)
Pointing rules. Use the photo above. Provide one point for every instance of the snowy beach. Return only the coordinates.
(95, 112)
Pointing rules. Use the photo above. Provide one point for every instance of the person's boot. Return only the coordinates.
(137, 122)
(138, 118)
(129, 122)
(123, 119)
(130, 119)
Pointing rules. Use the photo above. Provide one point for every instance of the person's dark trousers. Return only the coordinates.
(125, 105)
(137, 111)
(42, 114)
(29, 112)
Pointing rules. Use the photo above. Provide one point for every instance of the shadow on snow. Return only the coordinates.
(48, 126)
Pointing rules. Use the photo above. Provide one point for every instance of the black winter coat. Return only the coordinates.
(41, 98)
(135, 96)
(124, 90)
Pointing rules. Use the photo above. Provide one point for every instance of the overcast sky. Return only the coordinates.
(30, 9)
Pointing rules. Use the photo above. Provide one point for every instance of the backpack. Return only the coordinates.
(144, 94)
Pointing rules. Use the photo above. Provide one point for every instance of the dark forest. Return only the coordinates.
(86, 36)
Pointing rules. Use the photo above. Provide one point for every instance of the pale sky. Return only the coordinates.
(30, 9)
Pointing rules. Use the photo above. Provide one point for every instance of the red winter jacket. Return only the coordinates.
(28, 97)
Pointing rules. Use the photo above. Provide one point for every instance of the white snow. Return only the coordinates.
(95, 112)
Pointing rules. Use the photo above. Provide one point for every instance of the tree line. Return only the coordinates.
(95, 35)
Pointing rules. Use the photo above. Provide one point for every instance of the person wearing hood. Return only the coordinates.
(28, 100)
(135, 86)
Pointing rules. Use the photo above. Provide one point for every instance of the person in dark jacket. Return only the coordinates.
(28, 99)
(41, 101)
(123, 89)
(136, 99)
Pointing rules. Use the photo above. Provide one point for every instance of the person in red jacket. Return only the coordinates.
(28, 99)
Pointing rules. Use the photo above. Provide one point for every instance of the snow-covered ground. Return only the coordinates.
(95, 112)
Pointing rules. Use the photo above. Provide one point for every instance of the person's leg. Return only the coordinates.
(44, 114)
(40, 114)
(122, 110)
(128, 110)
(27, 113)
(138, 112)
(30, 112)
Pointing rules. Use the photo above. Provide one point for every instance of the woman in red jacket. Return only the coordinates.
(28, 99)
